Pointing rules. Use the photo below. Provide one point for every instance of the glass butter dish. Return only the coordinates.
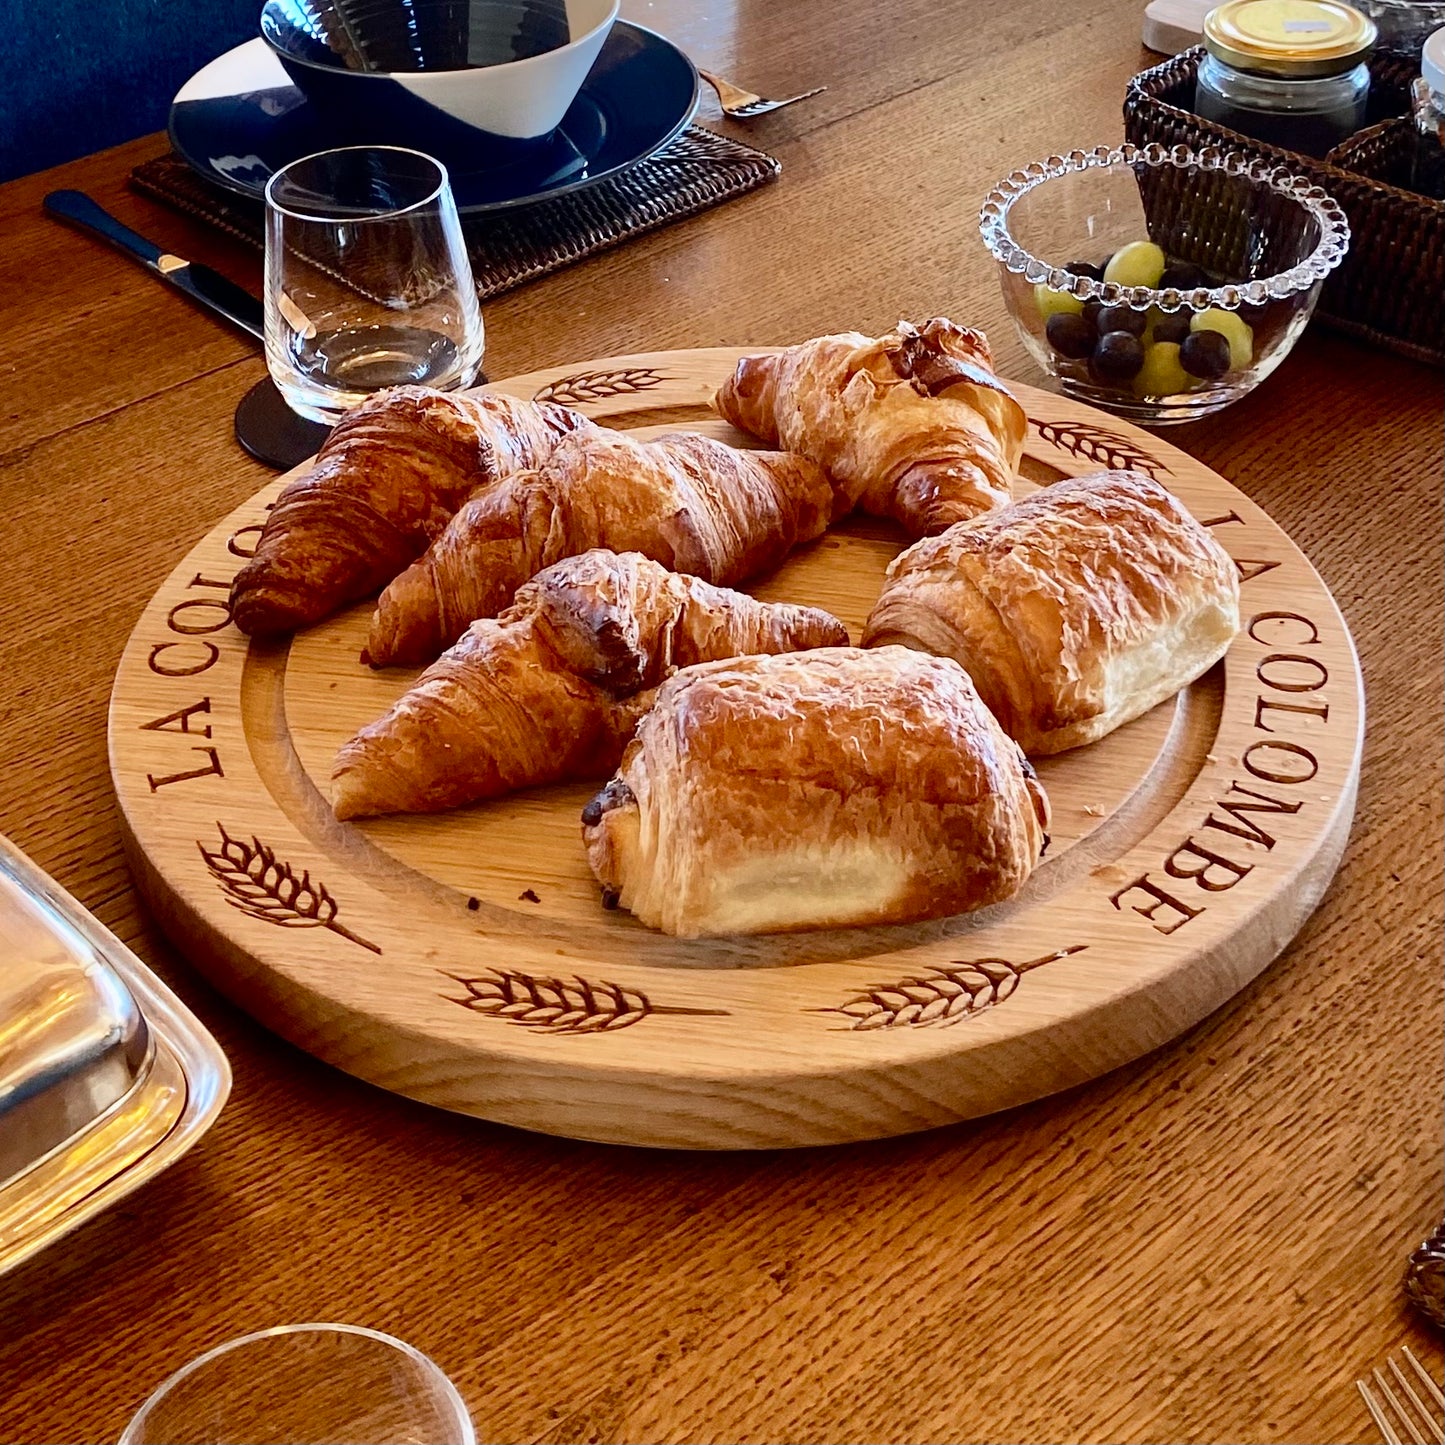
(105, 1076)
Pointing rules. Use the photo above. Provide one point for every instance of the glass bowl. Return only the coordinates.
(1243, 246)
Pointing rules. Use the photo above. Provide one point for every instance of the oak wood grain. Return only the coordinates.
(1203, 1245)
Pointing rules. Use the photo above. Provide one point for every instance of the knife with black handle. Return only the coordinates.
(200, 283)
(265, 426)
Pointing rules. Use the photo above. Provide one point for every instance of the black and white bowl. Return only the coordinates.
(494, 75)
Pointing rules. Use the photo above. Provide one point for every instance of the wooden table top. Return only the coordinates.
(1206, 1245)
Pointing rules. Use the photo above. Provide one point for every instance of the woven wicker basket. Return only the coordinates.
(1390, 290)
(1383, 152)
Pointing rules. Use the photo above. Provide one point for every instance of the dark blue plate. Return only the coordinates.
(240, 119)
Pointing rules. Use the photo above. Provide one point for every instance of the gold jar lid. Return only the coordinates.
(1296, 38)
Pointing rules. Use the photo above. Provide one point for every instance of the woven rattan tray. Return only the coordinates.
(1390, 290)
(698, 170)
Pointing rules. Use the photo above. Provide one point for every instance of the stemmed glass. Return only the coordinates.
(316, 1384)
(367, 279)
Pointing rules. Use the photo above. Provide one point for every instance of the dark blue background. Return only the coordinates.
(80, 75)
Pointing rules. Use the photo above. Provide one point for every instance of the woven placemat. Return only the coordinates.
(699, 170)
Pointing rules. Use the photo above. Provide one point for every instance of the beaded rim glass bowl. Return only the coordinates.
(1277, 232)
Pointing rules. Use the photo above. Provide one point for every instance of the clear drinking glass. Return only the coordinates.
(320, 1384)
(367, 279)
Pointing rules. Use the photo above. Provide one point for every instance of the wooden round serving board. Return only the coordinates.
(464, 959)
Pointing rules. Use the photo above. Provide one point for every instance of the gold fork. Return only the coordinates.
(740, 104)
(1397, 1416)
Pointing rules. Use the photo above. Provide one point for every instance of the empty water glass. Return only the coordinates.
(367, 279)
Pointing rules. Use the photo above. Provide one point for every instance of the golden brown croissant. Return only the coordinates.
(1074, 610)
(553, 688)
(816, 789)
(385, 483)
(913, 425)
(690, 503)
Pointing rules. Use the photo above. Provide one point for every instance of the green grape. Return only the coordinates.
(1051, 303)
(1140, 263)
(1161, 374)
(1235, 330)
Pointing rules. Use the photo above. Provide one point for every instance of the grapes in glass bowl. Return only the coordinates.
(1160, 285)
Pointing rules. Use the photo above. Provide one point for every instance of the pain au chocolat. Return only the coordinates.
(815, 789)
(1074, 610)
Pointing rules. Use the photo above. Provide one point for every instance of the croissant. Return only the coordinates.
(811, 790)
(690, 503)
(553, 688)
(913, 425)
(384, 485)
(1074, 610)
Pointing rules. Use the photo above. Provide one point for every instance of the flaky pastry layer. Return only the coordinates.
(818, 789)
(693, 504)
(384, 485)
(912, 425)
(552, 689)
(1074, 611)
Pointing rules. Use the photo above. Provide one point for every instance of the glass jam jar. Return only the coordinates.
(1288, 72)
(1428, 110)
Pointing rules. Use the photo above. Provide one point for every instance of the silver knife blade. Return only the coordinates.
(207, 288)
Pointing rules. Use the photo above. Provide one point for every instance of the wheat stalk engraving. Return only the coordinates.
(560, 1006)
(1098, 444)
(942, 996)
(262, 887)
(594, 385)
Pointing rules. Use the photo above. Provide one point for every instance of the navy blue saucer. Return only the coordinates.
(240, 119)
